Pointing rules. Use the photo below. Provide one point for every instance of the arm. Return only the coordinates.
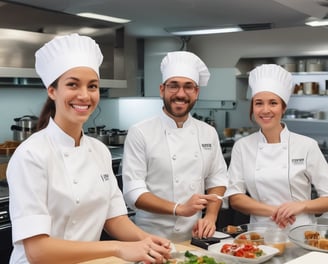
(247, 205)
(197, 202)
(206, 226)
(292, 209)
(45, 249)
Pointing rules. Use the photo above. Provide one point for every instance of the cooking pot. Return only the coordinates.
(21, 133)
(104, 136)
(118, 136)
(27, 121)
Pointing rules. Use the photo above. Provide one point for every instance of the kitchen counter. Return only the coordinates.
(292, 251)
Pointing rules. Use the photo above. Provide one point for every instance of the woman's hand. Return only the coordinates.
(203, 228)
(148, 250)
(286, 213)
(196, 203)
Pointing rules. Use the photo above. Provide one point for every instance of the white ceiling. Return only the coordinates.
(152, 17)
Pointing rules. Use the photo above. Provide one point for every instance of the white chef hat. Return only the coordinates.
(184, 64)
(271, 78)
(64, 53)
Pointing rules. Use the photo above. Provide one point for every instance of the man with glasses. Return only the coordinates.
(172, 160)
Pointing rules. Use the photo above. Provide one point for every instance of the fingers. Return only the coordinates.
(203, 229)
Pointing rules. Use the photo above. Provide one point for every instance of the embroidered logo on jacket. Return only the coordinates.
(104, 177)
(207, 146)
(298, 161)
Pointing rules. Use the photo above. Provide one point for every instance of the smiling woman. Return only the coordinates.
(59, 175)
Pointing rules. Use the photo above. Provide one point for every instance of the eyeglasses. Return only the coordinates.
(188, 88)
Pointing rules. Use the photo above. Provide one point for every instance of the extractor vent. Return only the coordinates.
(259, 26)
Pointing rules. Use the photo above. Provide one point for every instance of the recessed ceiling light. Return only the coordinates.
(103, 17)
(202, 31)
(313, 22)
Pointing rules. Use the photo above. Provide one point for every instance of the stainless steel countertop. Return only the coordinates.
(292, 251)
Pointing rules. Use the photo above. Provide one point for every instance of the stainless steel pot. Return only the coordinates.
(20, 133)
(119, 137)
(27, 121)
(104, 136)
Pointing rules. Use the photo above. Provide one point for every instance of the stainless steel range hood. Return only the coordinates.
(21, 36)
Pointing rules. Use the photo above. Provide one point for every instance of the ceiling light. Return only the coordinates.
(202, 31)
(103, 17)
(317, 22)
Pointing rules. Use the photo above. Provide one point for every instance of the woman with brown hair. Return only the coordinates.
(63, 192)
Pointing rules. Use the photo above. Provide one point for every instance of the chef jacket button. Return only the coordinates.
(66, 154)
(77, 200)
(74, 222)
(174, 157)
(177, 180)
(196, 155)
(75, 181)
(90, 150)
(192, 186)
(177, 229)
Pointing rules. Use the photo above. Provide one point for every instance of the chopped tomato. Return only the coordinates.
(249, 255)
(245, 250)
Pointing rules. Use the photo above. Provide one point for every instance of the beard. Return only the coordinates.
(174, 111)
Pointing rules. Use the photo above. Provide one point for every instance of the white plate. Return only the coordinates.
(296, 235)
(221, 235)
(179, 255)
(312, 257)
(268, 251)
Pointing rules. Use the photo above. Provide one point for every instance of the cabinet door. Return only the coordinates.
(221, 85)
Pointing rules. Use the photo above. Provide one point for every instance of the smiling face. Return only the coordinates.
(268, 109)
(179, 96)
(76, 97)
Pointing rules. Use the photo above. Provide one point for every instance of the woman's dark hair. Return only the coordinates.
(251, 110)
(48, 110)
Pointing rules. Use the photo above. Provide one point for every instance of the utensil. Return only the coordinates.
(218, 196)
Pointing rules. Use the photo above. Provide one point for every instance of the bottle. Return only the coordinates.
(301, 66)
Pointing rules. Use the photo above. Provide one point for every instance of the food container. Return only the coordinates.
(276, 238)
(251, 237)
(254, 233)
(310, 87)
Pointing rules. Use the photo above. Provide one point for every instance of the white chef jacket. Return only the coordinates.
(61, 190)
(173, 163)
(278, 173)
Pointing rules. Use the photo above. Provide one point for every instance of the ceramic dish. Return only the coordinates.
(296, 235)
(269, 252)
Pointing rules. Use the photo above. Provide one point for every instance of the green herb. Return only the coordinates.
(194, 259)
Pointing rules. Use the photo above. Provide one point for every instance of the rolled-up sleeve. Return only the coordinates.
(134, 169)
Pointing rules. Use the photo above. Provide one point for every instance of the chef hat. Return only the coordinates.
(64, 53)
(184, 64)
(271, 78)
